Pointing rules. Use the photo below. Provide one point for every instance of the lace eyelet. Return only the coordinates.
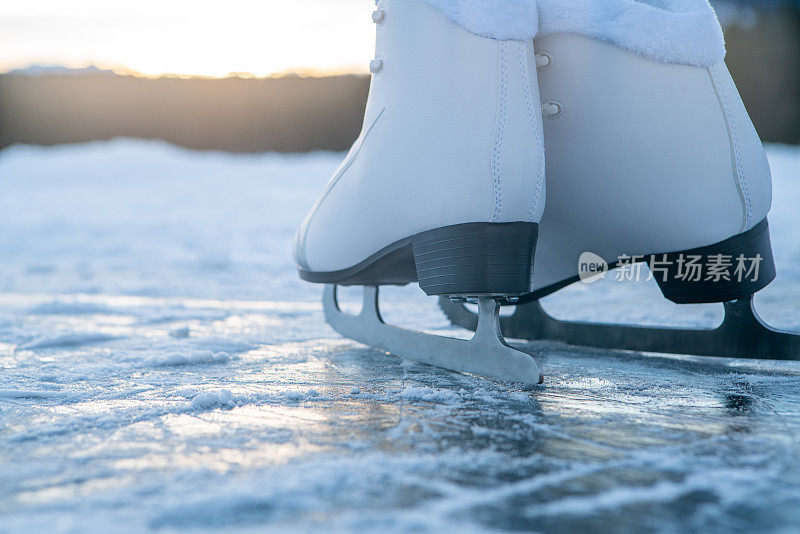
(543, 60)
(376, 65)
(551, 109)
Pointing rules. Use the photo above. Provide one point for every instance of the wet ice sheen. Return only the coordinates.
(161, 367)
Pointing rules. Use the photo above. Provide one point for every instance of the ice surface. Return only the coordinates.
(163, 368)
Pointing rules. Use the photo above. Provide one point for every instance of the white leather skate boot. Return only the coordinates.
(444, 186)
(645, 159)
(655, 162)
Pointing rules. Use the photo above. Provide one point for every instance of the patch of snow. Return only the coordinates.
(428, 394)
(181, 332)
(61, 307)
(67, 340)
(213, 399)
(28, 394)
(194, 357)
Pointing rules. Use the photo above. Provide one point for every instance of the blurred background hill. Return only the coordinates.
(287, 114)
(291, 113)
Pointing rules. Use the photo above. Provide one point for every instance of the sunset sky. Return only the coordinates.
(153, 37)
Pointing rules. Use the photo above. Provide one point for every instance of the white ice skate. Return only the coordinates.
(444, 186)
(660, 163)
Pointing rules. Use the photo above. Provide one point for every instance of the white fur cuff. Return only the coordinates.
(670, 31)
(498, 19)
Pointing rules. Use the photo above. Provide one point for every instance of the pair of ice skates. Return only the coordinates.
(445, 186)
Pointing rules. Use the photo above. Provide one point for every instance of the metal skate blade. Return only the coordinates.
(742, 334)
(486, 354)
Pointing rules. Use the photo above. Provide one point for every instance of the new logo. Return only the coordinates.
(591, 267)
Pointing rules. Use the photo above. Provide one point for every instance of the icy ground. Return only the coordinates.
(162, 368)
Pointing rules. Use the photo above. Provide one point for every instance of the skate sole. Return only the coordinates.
(742, 334)
(476, 259)
(702, 287)
(470, 259)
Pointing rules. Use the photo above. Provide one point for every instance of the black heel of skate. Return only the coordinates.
(476, 259)
(729, 270)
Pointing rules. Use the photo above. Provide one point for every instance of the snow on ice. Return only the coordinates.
(163, 368)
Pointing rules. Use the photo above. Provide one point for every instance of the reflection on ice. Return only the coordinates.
(166, 369)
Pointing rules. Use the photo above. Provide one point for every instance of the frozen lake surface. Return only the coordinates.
(163, 368)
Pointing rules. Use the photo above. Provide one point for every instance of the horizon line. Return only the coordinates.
(44, 69)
